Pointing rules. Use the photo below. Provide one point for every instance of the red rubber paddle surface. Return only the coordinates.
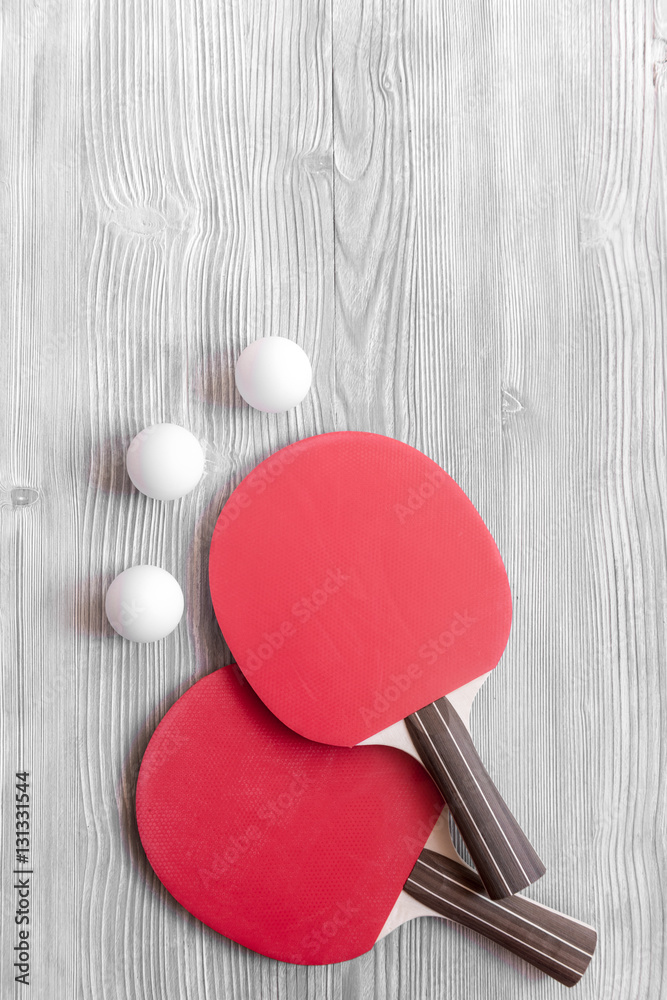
(294, 849)
(355, 583)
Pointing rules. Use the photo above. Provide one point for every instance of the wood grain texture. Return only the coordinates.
(459, 211)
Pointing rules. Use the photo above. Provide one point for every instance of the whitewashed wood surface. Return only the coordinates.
(458, 209)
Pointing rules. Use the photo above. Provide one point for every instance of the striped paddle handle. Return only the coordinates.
(502, 854)
(550, 941)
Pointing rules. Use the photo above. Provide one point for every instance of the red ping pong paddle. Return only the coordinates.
(356, 585)
(301, 851)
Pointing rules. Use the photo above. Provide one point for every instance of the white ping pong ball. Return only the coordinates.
(165, 461)
(273, 374)
(144, 603)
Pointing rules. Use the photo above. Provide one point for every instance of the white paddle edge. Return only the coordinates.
(440, 840)
(407, 908)
(397, 734)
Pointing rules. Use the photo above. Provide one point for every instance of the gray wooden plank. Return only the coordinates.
(517, 118)
(207, 223)
(38, 489)
(459, 212)
(439, 283)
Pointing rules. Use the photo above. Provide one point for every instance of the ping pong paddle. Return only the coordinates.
(300, 851)
(357, 586)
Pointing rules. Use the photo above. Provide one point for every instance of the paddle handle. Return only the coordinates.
(502, 854)
(550, 941)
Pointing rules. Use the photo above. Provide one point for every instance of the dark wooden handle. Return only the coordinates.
(550, 941)
(502, 854)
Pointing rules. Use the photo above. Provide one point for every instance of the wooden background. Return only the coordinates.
(458, 210)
